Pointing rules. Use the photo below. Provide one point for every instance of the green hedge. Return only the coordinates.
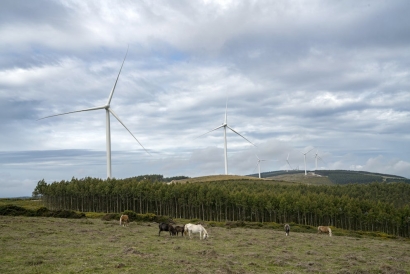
(13, 210)
(136, 217)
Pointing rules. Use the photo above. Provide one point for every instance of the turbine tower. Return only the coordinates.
(108, 110)
(224, 126)
(258, 164)
(287, 160)
(317, 157)
(304, 158)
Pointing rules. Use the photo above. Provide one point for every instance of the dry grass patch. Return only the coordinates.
(53, 245)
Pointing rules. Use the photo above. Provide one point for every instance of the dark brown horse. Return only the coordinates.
(166, 227)
(180, 229)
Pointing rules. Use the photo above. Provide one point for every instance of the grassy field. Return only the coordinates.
(53, 245)
(216, 178)
(26, 203)
(301, 178)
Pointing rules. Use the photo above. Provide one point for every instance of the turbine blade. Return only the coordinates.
(240, 135)
(320, 158)
(255, 166)
(289, 164)
(119, 120)
(88, 109)
(307, 152)
(209, 131)
(113, 88)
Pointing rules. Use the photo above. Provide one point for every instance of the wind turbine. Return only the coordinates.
(317, 157)
(224, 126)
(258, 164)
(287, 160)
(304, 158)
(108, 110)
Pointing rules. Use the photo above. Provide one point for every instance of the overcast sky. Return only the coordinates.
(327, 76)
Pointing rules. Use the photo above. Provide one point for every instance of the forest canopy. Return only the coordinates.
(377, 206)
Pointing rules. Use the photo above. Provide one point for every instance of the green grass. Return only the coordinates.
(302, 179)
(26, 203)
(54, 245)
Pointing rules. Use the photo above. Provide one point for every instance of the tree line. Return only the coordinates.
(377, 206)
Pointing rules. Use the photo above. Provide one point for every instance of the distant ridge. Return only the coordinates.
(338, 177)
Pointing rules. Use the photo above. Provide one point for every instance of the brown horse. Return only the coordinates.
(180, 229)
(324, 229)
(124, 220)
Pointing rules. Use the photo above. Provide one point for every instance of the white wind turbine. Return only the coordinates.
(304, 158)
(287, 160)
(224, 126)
(317, 157)
(108, 110)
(258, 164)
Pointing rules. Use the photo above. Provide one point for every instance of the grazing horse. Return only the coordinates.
(124, 220)
(191, 228)
(287, 229)
(324, 229)
(180, 229)
(166, 227)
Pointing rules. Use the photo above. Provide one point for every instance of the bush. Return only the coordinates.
(158, 219)
(131, 215)
(65, 214)
(110, 217)
(12, 210)
(42, 212)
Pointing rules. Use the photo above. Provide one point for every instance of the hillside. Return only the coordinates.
(330, 177)
(213, 178)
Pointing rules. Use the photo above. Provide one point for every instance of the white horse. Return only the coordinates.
(191, 228)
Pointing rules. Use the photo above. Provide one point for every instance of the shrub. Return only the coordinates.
(12, 210)
(158, 219)
(42, 211)
(110, 217)
(131, 215)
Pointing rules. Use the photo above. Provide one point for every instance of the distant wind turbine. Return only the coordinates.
(304, 158)
(108, 110)
(287, 160)
(258, 164)
(317, 157)
(224, 126)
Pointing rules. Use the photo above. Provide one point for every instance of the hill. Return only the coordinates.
(213, 178)
(330, 177)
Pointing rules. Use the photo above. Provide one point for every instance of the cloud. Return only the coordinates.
(290, 75)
